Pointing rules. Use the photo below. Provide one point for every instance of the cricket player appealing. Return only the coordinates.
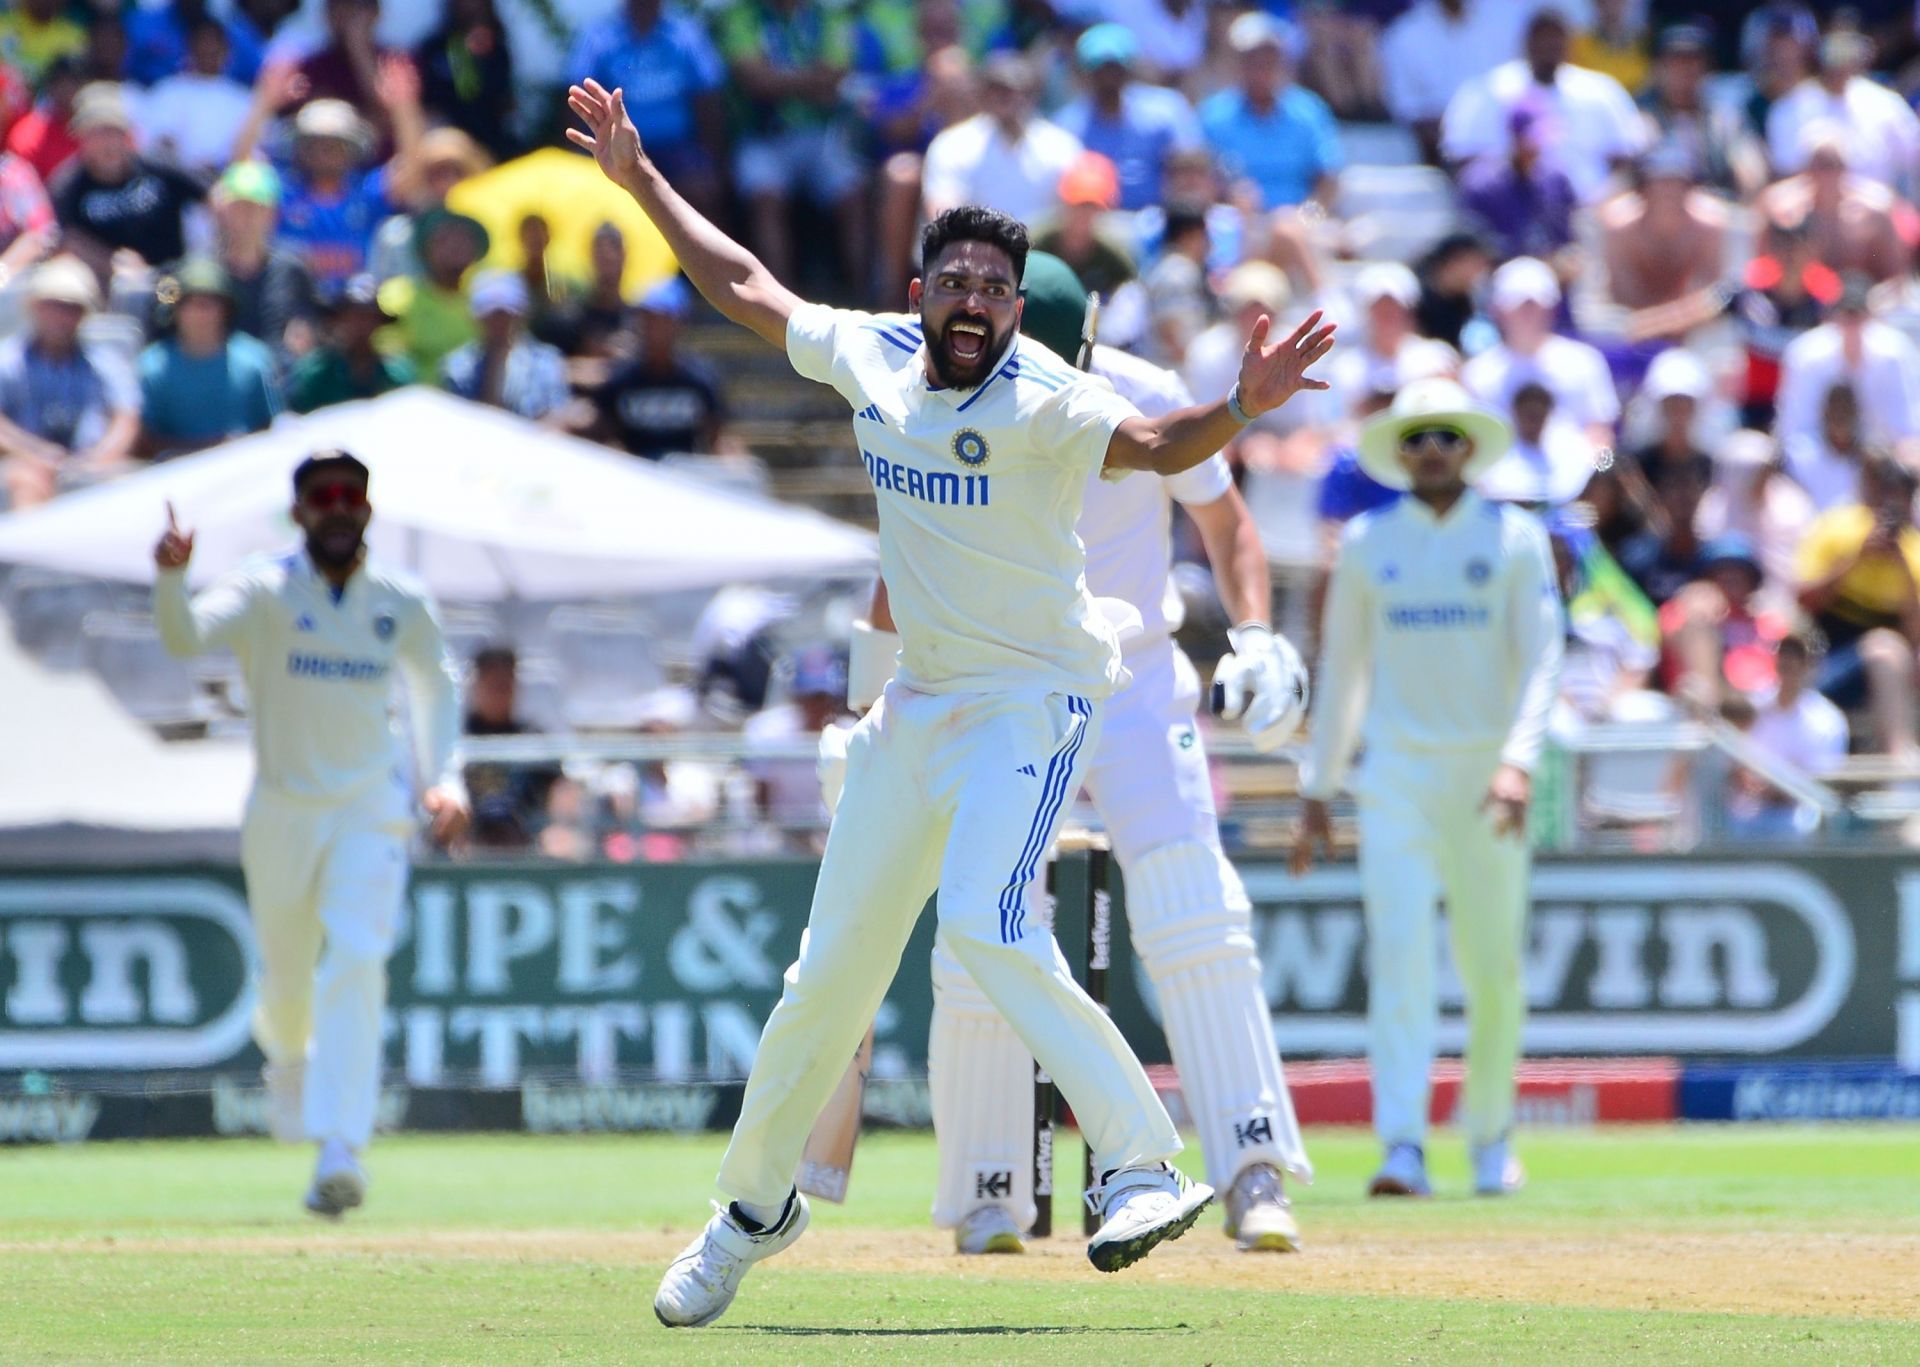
(1189, 916)
(1443, 632)
(319, 633)
(978, 444)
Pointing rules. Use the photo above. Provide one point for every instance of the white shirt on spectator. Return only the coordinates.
(1556, 470)
(1357, 371)
(1809, 733)
(1573, 372)
(1887, 382)
(1830, 479)
(1588, 121)
(1426, 54)
(974, 163)
(194, 119)
(1771, 512)
(1882, 132)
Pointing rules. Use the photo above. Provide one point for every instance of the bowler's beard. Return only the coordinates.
(329, 546)
(951, 372)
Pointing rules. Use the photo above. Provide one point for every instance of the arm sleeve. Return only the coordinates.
(1539, 638)
(1076, 424)
(1341, 684)
(1204, 483)
(215, 618)
(433, 687)
(814, 338)
(1604, 398)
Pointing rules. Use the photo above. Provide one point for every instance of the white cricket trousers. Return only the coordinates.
(333, 875)
(959, 791)
(1423, 834)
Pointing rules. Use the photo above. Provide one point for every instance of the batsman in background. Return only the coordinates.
(1440, 647)
(978, 443)
(1188, 914)
(319, 632)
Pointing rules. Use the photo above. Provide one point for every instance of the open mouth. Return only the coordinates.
(967, 339)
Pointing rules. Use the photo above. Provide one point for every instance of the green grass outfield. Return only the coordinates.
(1658, 1245)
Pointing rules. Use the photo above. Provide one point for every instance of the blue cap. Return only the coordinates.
(1732, 548)
(1105, 43)
(819, 672)
(671, 297)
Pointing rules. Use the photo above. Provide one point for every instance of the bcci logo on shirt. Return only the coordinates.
(383, 626)
(1477, 571)
(970, 448)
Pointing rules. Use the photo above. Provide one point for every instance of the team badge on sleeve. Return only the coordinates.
(970, 448)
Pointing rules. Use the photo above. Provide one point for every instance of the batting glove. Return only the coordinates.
(1263, 685)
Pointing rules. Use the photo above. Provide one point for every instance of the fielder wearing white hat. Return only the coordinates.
(1523, 280)
(1429, 405)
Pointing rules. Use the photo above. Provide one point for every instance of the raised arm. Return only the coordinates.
(730, 277)
(187, 626)
(1269, 376)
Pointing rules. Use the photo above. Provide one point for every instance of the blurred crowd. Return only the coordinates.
(1673, 248)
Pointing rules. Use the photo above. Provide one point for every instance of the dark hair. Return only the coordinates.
(1895, 479)
(492, 657)
(974, 223)
(322, 461)
(1799, 641)
(1185, 216)
(202, 24)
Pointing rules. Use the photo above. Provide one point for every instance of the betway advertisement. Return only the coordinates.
(555, 975)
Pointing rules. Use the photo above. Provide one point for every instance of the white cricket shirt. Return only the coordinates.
(978, 493)
(320, 671)
(1443, 633)
(1127, 523)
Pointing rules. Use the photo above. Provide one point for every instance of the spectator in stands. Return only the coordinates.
(504, 366)
(38, 33)
(1608, 663)
(432, 314)
(160, 41)
(1452, 275)
(466, 75)
(1676, 384)
(1525, 296)
(1078, 232)
(1753, 496)
(1589, 122)
(1436, 47)
(1267, 129)
(192, 119)
(1664, 557)
(1777, 45)
(1134, 125)
(673, 78)
(273, 293)
(205, 383)
(1521, 203)
(1665, 248)
(447, 156)
(1827, 461)
(1006, 157)
(1850, 223)
(346, 365)
(43, 137)
(1786, 292)
(1794, 724)
(1719, 636)
(27, 226)
(1880, 362)
(662, 400)
(67, 412)
(1172, 34)
(1341, 61)
(1180, 298)
(788, 59)
(1388, 353)
(592, 321)
(513, 798)
(1859, 578)
(350, 66)
(912, 111)
(1879, 129)
(787, 791)
(1616, 45)
(1550, 463)
(110, 200)
(1729, 156)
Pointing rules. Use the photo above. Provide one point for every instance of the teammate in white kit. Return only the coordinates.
(319, 633)
(978, 444)
(1189, 916)
(1443, 630)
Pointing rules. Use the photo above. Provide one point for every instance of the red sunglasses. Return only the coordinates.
(347, 497)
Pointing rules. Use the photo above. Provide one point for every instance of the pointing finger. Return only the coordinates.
(173, 523)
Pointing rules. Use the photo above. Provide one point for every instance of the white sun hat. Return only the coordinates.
(1431, 403)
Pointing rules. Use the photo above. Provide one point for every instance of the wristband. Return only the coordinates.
(1239, 414)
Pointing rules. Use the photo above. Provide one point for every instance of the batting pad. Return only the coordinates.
(981, 1079)
(1192, 928)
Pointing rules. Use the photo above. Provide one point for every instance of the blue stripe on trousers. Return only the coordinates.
(1053, 792)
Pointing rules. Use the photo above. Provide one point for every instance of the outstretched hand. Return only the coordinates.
(613, 140)
(176, 547)
(1272, 374)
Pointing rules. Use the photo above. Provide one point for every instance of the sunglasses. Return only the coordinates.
(344, 497)
(1443, 439)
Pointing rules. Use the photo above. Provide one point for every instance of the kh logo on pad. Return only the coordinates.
(970, 448)
(1259, 1130)
(989, 1186)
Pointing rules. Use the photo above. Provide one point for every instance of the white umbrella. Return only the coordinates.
(478, 503)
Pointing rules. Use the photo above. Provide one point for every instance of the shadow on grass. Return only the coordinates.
(984, 1330)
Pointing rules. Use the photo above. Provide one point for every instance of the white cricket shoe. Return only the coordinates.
(1496, 1171)
(1259, 1216)
(989, 1229)
(1139, 1208)
(339, 1182)
(1403, 1173)
(286, 1091)
(701, 1282)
